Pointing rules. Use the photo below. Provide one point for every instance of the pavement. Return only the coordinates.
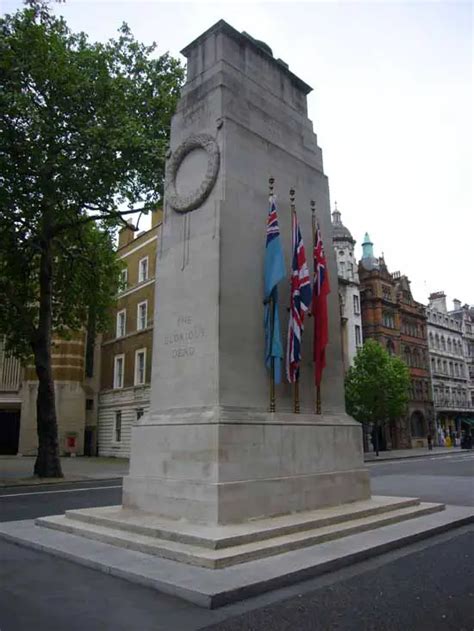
(427, 586)
(18, 470)
(400, 454)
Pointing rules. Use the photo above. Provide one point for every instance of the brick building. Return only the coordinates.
(393, 318)
(127, 346)
(75, 366)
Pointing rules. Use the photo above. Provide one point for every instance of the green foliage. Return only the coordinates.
(377, 386)
(83, 133)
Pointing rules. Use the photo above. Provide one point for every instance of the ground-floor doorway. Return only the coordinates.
(9, 431)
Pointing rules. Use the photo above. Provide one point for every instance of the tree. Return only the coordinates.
(83, 134)
(376, 387)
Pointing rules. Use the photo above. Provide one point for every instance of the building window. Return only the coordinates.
(89, 404)
(386, 292)
(121, 323)
(358, 335)
(390, 347)
(118, 427)
(140, 412)
(142, 315)
(119, 362)
(356, 305)
(388, 320)
(350, 271)
(407, 356)
(140, 366)
(123, 279)
(143, 269)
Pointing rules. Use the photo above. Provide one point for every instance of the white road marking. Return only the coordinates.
(452, 458)
(92, 488)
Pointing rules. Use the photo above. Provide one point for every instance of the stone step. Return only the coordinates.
(217, 537)
(221, 558)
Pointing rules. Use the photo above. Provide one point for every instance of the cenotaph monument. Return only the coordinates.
(216, 479)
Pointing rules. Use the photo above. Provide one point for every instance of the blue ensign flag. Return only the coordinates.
(274, 272)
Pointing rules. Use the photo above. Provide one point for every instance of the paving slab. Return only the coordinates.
(214, 588)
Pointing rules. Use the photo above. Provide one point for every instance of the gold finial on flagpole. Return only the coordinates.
(271, 182)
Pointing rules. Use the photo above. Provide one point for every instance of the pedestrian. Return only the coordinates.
(453, 438)
(430, 442)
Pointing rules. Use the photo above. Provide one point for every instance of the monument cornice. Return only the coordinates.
(243, 38)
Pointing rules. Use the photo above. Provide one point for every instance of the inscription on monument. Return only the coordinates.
(181, 341)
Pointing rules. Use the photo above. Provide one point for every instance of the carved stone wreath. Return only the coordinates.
(185, 203)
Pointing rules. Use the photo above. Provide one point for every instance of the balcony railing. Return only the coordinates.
(10, 372)
(453, 405)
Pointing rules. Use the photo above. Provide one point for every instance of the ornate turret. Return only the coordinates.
(339, 230)
(368, 260)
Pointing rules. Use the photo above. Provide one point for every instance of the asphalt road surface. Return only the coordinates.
(425, 587)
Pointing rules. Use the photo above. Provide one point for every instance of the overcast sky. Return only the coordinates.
(392, 107)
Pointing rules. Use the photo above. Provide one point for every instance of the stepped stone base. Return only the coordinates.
(218, 546)
(216, 587)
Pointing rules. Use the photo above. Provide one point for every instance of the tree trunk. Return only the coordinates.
(48, 464)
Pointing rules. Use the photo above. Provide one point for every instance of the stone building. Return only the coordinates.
(75, 365)
(393, 318)
(451, 348)
(127, 346)
(465, 315)
(348, 287)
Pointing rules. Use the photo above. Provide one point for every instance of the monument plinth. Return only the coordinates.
(215, 478)
(209, 451)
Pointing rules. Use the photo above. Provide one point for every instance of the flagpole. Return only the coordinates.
(313, 222)
(271, 182)
(296, 390)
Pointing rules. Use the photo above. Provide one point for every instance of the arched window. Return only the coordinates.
(449, 345)
(443, 343)
(437, 340)
(417, 424)
(439, 365)
(451, 368)
(431, 340)
(445, 367)
(390, 347)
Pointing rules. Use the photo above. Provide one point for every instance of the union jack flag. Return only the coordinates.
(319, 308)
(300, 300)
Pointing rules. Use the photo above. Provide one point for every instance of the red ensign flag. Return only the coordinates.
(320, 307)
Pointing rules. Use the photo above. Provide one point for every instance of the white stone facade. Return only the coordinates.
(130, 404)
(448, 349)
(348, 288)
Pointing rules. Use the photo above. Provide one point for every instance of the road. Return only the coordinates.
(425, 587)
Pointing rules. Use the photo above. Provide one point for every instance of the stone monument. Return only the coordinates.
(215, 478)
(209, 451)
